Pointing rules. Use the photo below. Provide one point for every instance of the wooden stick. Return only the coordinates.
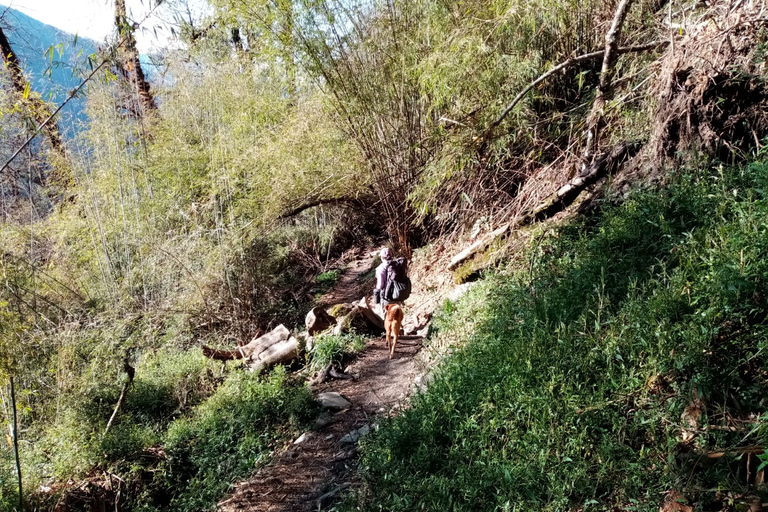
(117, 407)
(594, 119)
(737, 451)
(311, 204)
(71, 95)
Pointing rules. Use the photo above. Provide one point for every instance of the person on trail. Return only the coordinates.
(381, 279)
(392, 283)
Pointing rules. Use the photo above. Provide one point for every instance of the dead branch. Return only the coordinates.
(606, 74)
(556, 202)
(611, 42)
(560, 67)
(565, 195)
(737, 451)
(222, 355)
(117, 407)
(37, 109)
(478, 246)
(131, 372)
(43, 125)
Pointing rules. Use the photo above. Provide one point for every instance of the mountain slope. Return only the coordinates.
(53, 61)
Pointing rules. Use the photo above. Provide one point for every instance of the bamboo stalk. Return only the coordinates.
(16, 446)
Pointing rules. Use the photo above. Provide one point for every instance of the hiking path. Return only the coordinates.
(310, 472)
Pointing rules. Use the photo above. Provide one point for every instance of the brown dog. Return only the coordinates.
(393, 322)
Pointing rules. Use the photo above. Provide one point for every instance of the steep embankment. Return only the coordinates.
(619, 361)
(623, 358)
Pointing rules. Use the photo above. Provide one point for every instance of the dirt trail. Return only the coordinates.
(354, 283)
(308, 476)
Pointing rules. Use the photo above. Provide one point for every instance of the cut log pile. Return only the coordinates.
(280, 346)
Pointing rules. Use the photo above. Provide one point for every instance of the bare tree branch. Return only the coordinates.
(606, 75)
(311, 204)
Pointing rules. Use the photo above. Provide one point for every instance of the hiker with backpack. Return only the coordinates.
(392, 282)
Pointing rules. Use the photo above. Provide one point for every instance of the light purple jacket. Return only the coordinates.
(381, 275)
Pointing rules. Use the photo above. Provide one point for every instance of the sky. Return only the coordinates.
(95, 19)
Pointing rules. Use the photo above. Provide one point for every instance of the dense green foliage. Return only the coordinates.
(167, 238)
(228, 436)
(288, 131)
(573, 378)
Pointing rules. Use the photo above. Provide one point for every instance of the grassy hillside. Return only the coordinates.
(600, 369)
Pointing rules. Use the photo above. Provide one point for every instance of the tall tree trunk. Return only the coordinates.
(33, 105)
(129, 55)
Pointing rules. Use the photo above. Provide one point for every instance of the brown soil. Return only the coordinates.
(310, 475)
(354, 283)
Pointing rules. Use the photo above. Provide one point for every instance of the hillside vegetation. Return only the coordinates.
(606, 159)
(603, 367)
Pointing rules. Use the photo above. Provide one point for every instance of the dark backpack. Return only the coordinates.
(398, 286)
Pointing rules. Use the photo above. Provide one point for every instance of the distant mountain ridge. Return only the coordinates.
(54, 74)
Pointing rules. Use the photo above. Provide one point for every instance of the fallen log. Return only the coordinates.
(556, 202)
(282, 352)
(478, 246)
(606, 164)
(257, 345)
(742, 450)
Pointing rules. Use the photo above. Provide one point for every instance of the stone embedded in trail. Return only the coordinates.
(318, 320)
(303, 437)
(325, 419)
(355, 435)
(361, 319)
(333, 401)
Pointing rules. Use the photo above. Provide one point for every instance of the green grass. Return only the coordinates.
(569, 389)
(330, 348)
(225, 438)
(212, 426)
(326, 280)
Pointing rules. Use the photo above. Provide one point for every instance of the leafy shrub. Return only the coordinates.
(333, 348)
(228, 435)
(326, 280)
(569, 390)
(168, 383)
(9, 493)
